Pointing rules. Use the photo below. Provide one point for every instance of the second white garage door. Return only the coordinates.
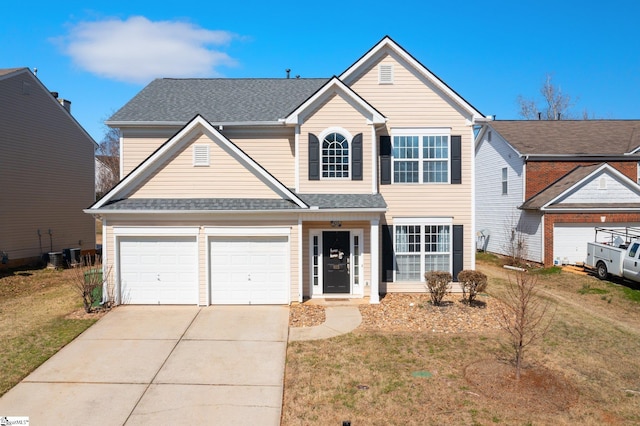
(249, 270)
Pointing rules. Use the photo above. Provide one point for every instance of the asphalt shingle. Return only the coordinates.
(218, 100)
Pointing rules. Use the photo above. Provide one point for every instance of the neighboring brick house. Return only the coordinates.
(254, 191)
(553, 182)
(46, 172)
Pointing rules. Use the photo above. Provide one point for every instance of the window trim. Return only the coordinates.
(349, 138)
(505, 181)
(422, 223)
(421, 132)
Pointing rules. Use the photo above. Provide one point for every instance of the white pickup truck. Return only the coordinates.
(619, 256)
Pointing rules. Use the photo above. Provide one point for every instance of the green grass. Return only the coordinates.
(483, 256)
(23, 354)
(587, 289)
(548, 271)
(631, 294)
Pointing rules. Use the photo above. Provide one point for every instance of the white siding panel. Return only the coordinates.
(497, 214)
(602, 188)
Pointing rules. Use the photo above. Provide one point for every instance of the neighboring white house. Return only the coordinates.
(549, 184)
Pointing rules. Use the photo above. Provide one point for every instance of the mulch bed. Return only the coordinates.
(413, 312)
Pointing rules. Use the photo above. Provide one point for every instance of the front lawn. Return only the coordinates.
(585, 370)
(37, 308)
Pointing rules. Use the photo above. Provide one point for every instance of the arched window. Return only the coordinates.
(335, 156)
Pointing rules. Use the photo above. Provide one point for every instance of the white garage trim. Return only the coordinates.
(246, 231)
(249, 269)
(155, 230)
(154, 269)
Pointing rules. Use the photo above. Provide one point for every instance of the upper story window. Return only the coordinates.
(421, 157)
(335, 156)
(505, 182)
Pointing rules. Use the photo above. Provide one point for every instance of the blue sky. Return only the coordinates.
(100, 56)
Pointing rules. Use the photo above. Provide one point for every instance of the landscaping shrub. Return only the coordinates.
(472, 283)
(438, 284)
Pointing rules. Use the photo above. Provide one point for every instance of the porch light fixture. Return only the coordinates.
(336, 224)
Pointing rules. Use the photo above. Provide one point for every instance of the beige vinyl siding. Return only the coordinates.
(225, 220)
(46, 171)
(273, 149)
(335, 113)
(225, 177)
(412, 101)
(136, 150)
(326, 226)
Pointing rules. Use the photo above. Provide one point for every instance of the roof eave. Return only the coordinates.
(121, 124)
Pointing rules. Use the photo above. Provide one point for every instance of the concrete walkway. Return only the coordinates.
(163, 365)
(339, 320)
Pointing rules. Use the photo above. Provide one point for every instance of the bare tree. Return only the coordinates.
(524, 315)
(88, 280)
(108, 155)
(555, 104)
(515, 242)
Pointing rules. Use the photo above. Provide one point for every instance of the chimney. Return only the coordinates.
(288, 72)
(539, 116)
(66, 104)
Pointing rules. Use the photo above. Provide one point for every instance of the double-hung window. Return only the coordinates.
(421, 246)
(421, 155)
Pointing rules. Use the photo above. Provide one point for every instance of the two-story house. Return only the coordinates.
(546, 185)
(259, 191)
(46, 172)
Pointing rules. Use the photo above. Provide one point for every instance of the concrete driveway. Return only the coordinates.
(163, 365)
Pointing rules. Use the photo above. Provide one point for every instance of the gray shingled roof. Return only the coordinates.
(344, 201)
(217, 100)
(202, 204)
(571, 137)
(322, 201)
(558, 187)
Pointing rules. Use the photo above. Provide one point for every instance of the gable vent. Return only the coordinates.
(201, 155)
(602, 184)
(385, 75)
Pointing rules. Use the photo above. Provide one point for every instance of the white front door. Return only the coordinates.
(158, 270)
(249, 270)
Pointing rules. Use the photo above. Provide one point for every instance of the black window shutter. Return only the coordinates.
(385, 160)
(387, 253)
(458, 250)
(356, 157)
(314, 157)
(456, 159)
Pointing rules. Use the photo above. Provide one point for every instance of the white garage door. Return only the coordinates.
(158, 270)
(249, 270)
(570, 240)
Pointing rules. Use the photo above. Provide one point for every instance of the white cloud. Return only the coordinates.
(137, 50)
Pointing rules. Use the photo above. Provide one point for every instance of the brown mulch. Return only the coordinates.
(413, 312)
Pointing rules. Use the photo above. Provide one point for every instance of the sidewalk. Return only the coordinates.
(339, 320)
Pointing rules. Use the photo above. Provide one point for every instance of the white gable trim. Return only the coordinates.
(334, 86)
(388, 44)
(615, 173)
(177, 142)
